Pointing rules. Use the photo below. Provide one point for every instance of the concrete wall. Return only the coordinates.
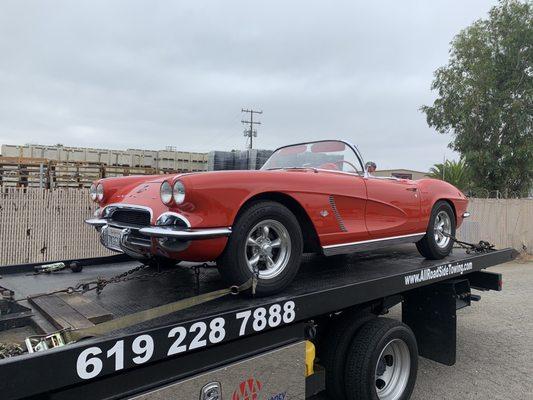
(504, 222)
(39, 225)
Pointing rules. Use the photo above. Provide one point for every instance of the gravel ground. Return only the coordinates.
(494, 349)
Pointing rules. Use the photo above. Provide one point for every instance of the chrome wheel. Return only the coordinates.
(268, 248)
(392, 370)
(442, 229)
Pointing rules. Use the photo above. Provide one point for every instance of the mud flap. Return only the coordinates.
(431, 313)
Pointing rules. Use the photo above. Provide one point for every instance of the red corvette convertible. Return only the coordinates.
(308, 197)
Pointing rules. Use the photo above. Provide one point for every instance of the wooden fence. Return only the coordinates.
(40, 225)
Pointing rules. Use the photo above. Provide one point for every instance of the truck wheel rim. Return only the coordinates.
(442, 228)
(268, 248)
(392, 370)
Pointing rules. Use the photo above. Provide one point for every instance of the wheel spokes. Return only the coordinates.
(252, 242)
(265, 231)
(275, 243)
(255, 259)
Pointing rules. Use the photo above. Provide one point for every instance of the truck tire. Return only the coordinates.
(266, 236)
(335, 347)
(434, 245)
(382, 362)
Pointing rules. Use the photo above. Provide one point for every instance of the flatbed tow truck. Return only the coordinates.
(326, 331)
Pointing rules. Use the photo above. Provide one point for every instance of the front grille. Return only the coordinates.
(131, 217)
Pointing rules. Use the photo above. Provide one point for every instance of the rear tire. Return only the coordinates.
(266, 235)
(434, 245)
(382, 362)
(335, 348)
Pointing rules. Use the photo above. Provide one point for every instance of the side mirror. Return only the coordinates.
(370, 167)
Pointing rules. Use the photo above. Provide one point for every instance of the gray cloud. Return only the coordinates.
(144, 74)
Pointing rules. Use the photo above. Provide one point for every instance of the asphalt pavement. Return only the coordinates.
(494, 346)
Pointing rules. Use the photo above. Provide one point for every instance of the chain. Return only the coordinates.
(100, 283)
(481, 247)
(10, 350)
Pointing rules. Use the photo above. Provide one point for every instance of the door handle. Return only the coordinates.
(411, 189)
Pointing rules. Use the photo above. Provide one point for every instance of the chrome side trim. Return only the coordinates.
(370, 244)
(466, 214)
(185, 234)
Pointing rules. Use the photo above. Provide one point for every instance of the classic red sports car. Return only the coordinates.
(308, 197)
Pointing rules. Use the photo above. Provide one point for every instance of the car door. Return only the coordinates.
(338, 212)
(393, 207)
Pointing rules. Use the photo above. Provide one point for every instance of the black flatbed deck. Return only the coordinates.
(323, 285)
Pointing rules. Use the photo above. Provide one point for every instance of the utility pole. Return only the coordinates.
(251, 132)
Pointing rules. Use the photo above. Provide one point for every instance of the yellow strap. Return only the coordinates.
(152, 313)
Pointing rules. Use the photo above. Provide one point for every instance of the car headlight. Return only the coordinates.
(100, 192)
(166, 192)
(178, 192)
(92, 192)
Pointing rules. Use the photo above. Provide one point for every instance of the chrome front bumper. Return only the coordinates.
(136, 241)
(177, 232)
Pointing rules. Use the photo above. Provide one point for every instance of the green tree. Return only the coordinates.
(454, 172)
(485, 98)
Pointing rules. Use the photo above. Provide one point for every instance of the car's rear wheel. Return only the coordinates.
(437, 244)
(266, 239)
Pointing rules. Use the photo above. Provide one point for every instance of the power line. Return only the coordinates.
(251, 132)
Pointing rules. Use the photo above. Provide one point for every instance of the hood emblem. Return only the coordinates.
(143, 189)
(324, 213)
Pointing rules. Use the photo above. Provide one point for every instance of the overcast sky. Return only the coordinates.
(147, 74)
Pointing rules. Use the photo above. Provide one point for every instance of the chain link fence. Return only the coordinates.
(482, 193)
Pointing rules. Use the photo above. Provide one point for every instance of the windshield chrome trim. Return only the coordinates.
(349, 144)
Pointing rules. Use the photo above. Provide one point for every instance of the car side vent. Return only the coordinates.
(337, 214)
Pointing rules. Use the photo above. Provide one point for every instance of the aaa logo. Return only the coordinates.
(248, 390)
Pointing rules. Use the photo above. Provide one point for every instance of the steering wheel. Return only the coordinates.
(340, 162)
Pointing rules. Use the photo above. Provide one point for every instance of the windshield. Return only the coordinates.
(332, 155)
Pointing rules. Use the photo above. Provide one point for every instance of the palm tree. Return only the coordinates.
(454, 172)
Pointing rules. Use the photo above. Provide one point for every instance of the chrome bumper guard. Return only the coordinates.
(96, 222)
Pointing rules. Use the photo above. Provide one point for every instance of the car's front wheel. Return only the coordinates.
(266, 240)
(437, 243)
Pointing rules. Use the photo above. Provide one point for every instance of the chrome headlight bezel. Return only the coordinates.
(100, 192)
(178, 192)
(165, 193)
(92, 192)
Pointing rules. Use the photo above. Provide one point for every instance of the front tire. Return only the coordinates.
(435, 244)
(266, 237)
